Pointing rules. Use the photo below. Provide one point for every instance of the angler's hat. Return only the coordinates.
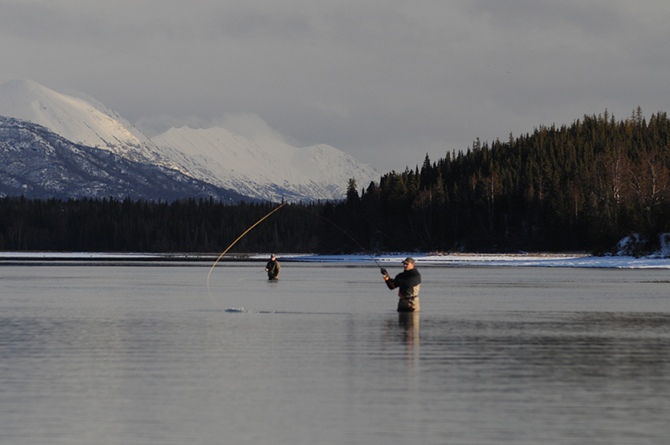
(408, 260)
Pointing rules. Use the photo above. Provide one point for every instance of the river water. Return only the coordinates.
(145, 353)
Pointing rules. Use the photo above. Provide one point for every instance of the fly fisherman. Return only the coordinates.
(408, 284)
(273, 268)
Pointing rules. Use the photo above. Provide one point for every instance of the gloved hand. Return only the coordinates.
(384, 271)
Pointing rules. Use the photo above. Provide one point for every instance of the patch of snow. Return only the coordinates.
(422, 259)
(508, 260)
(639, 245)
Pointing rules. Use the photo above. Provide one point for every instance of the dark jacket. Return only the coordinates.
(408, 282)
(273, 268)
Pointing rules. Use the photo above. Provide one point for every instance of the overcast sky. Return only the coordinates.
(385, 81)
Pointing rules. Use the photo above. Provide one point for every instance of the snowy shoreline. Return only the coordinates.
(456, 259)
(501, 260)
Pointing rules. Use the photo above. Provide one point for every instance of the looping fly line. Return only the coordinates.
(257, 223)
(233, 243)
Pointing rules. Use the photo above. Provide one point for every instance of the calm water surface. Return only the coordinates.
(143, 354)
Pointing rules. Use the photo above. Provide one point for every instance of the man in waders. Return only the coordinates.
(273, 268)
(408, 284)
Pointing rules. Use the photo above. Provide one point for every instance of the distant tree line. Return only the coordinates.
(578, 187)
(581, 187)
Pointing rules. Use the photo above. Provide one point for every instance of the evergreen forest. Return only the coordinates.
(579, 187)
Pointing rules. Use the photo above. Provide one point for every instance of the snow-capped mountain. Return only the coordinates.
(85, 122)
(267, 169)
(37, 163)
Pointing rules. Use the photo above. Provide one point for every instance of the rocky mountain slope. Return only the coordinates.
(264, 168)
(37, 163)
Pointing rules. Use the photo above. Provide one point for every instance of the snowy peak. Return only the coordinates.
(70, 117)
(324, 163)
(73, 118)
(265, 168)
(261, 167)
(37, 163)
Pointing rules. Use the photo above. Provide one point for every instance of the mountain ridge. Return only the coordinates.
(37, 163)
(76, 120)
(320, 171)
(261, 168)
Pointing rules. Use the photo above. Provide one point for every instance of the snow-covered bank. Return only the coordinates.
(508, 260)
(76, 255)
(511, 260)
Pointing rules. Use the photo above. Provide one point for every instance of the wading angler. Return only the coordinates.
(408, 284)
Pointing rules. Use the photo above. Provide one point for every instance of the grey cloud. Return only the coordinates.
(385, 81)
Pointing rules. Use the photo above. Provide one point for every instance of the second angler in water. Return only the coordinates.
(273, 268)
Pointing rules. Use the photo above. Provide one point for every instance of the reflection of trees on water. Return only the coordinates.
(576, 347)
(604, 345)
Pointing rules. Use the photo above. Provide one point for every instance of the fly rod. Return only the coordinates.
(232, 244)
(349, 236)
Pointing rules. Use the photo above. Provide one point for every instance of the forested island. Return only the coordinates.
(579, 187)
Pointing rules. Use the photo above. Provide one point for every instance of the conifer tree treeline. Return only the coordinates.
(579, 187)
(112, 225)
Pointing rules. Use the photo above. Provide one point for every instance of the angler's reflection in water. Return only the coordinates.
(409, 322)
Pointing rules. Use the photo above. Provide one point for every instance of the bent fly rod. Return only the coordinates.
(349, 236)
(231, 245)
(261, 220)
